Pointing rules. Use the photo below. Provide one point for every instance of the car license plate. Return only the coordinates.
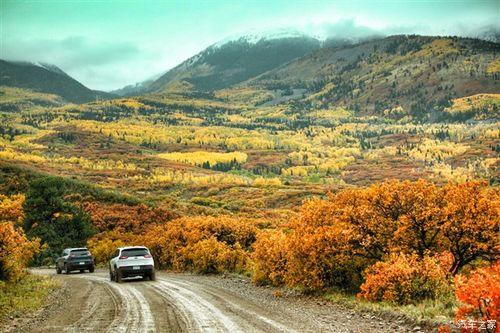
(136, 267)
(82, 263)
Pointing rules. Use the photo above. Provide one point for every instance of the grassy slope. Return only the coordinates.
(26, 295)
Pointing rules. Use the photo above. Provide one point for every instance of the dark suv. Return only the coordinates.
(74, 259)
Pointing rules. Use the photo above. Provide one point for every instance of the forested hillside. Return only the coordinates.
(395, 76)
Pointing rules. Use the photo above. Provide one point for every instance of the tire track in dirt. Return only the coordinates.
(98, 311)
(249, 318)
(202, 315)
(134, 313)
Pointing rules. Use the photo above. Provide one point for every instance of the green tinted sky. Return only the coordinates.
(107, 44)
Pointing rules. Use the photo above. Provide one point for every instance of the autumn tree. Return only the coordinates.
(269, 258)
(472, 223)
(392, 216)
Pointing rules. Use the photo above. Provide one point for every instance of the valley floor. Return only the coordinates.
(192, 303)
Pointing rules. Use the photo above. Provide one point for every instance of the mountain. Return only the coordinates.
(235, 60)
(137, 88)
(46, 78)
(395, 74)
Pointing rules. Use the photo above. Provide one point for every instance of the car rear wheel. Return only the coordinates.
(111, 277)
(91, 270)
(58, 270)
(152, 276)
(118, 276)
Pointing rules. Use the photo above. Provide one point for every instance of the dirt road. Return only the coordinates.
(191, 303)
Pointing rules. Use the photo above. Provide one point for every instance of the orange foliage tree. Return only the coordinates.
(269, 258)
(11, 208)
(472, 223)
(333, 240)
(392, 216)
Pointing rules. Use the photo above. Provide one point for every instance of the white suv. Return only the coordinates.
(131, 261)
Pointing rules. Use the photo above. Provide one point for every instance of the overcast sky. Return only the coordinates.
(107, 44)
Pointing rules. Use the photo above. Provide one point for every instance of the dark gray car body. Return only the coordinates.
(74, 259)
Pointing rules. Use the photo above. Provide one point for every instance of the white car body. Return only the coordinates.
(131, 261)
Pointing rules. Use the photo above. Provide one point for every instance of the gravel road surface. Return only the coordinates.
(90, 302)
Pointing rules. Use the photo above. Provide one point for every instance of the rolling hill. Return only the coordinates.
(46, 78)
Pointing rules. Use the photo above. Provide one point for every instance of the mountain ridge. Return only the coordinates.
(47, 78)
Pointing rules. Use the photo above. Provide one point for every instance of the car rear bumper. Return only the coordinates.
(73, 266)
(129, 271)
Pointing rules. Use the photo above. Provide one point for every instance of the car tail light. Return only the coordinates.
(147, 256)
(123, 257)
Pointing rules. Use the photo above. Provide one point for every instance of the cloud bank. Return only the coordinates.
(112, 63)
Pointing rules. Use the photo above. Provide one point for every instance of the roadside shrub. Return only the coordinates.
(479, 294)
(105, 243)
(15, 252)
(175, 244)
(212, 256)
(11, 209)
(15, 249)
(269, 258)
(316, 259)
(406, 279)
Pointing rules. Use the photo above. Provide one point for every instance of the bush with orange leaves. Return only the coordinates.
(202, 243)
(269, 258)
(125, 218)
(15, 249)
(11, 209)
(313, 255)
(212, 256)
(420, 217)
(103, 245)
(405, 279)
(318, 251)
(479, 294)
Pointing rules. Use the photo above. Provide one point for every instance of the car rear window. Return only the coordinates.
(134, 252)
(80, 252)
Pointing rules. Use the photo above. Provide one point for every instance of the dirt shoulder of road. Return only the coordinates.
(51, 303)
